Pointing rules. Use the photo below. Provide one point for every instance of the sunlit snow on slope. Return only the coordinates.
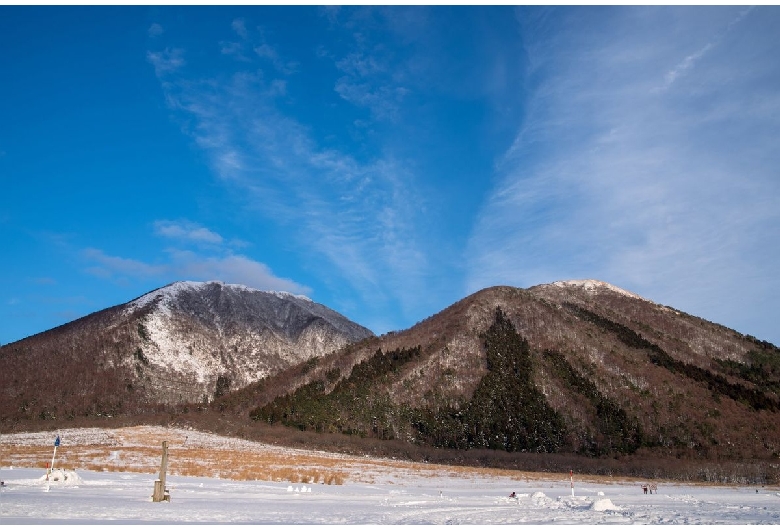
(193, 333)
(596, 285)
(170, 292)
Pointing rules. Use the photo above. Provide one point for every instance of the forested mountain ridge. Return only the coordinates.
(581, 367)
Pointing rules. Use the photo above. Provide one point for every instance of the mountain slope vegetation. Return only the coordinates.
(582, 369)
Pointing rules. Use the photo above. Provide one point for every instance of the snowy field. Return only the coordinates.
(391, 494)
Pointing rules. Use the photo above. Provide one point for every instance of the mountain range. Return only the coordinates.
(578, 368)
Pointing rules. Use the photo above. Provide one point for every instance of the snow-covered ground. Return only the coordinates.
(399, 496)
(115, 497)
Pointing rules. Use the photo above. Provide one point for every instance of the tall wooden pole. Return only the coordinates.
(164, 463)
(160, 493)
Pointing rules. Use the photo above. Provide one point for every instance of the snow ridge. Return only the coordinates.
(597, 285)
(165, 295)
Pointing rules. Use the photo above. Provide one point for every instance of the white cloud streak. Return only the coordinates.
(186, 231)
(232, 269)
(186, 264)
(213, 259)
(107, 266)
(689, 61)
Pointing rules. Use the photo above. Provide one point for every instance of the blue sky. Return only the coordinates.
(387, 162)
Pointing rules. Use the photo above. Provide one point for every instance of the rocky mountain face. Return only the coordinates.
(188, 342)
(577, 367)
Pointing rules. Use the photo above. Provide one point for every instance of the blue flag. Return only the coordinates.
(57, 441)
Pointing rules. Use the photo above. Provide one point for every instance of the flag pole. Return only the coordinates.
(51, 467)
(571, 476)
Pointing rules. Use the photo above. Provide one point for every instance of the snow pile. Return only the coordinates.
(62, 477)
(540, 499)
(603, 505)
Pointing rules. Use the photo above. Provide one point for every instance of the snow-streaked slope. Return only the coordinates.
(194, 333)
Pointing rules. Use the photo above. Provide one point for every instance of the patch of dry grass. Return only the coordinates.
(139, 450)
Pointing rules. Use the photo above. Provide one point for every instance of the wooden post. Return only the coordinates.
(160, 493)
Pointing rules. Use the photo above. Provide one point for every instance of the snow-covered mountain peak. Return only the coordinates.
(165, 295)
(202, 333)
(596, 285)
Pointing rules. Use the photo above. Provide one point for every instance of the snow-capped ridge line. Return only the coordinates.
(169, 292)
(592, 285)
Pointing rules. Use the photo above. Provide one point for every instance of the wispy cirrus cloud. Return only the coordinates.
(254, 42)
(689, 61)
(369, 80)
(166, 61)
(662, 192)
(354, 217)
(268, 52)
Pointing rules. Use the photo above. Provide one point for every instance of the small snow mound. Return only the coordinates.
(602, 505)
(600, 494)
(62, 477)
(540, 498)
